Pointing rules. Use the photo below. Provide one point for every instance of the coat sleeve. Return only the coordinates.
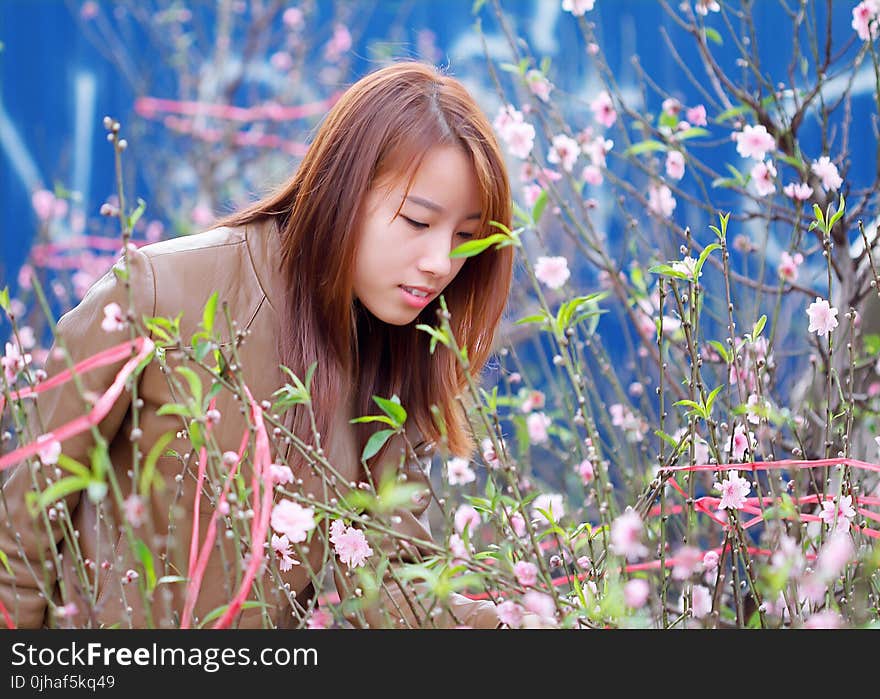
(28, 542)
(411, 604)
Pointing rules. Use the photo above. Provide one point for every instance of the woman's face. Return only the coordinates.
(403, 263)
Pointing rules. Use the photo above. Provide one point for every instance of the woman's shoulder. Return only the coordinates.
(188, 270)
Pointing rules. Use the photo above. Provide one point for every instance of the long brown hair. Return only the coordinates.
(383, 125)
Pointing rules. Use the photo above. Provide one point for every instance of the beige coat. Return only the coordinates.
(169, 278)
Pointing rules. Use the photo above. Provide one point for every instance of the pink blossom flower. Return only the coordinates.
(704, 7)
(281, 61)
(281, 546)
(531, 192)
(337, 529)
(292, 17)
(584, 562)
(534, 401)
(754, 142)
(466, 517)
(834, 555)
(597, 149)
(539, 85)
(823, 318)
(675, 164)
(352, 548)
(114, 318)
(710, 560)
(592, 174)
(799, 191)
(826, 171)
(563, 150)
(43, 202)
(550, 503)
(459, 551)
(50, 451)
(536, 425)
(518, 524)
(510, 613)
(592, 48)
(489, 455)
(14, 361)
(552, 271)
(671, 106)
(542, 606)
(788, 266)
(154, 230)
(66, 611)
(864, 19)
(702, 601)
(626, 536)
(762, 177)
(603, 109)
(202, 215)
(134, 510)
(339, 43)
(756, 408)
(280, 474)
(739, 442)
(88, 10)
(26, 337)
(320, 619)
(635, 593)
(826, 619)
(843, 511)
(661, 201)
(520, 138)
(459, 472)
(585, 471)
(526, 573)
(734, 491)
(697, 115)
(578, 7)
(688, 561)
(290, 518)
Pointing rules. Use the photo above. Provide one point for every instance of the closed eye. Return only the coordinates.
(413, 223)
(465, 235)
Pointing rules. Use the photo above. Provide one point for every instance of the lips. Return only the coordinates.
(416, 291)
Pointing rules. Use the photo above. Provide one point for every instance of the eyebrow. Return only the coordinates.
(436, 207)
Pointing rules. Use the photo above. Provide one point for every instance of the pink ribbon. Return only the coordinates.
(143, 347)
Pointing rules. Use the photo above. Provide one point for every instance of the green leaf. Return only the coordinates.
(666, 438)
(168, 579)
(174, 409)
(540, 205)
(373, 418)
(209, 313)
(703, 256)
(218, 612)
(196, 436)
(4, 299)
(478, 4)
(796, 163)
(5, 561)
(437, 335)
(146, 558)
(148, 477)
(472, 248)
(721, 349)
(759, 326)
(841, 207)
(195, 383)
(711, 399)
(135, 215)
(693, 132)
(375, 443)
(392, 408)
(732, 112)
(73, 466)
(667, 270)
(645, 147)
(713, 35)
(60, 489)
(537, 318)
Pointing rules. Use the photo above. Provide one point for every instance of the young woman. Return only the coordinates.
(336, 267)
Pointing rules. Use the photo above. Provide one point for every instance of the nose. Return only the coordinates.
(434, 256)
